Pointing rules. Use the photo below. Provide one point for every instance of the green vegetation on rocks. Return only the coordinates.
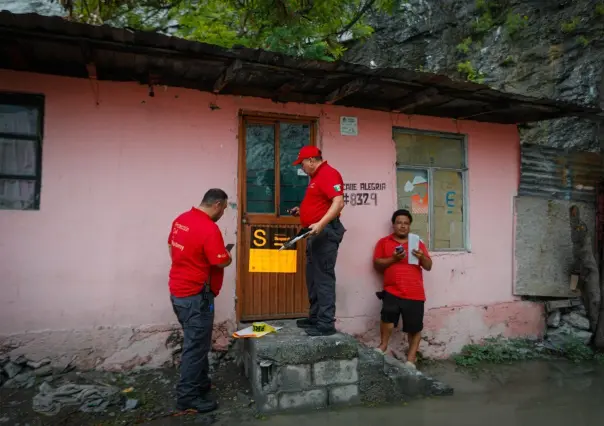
(504, 351)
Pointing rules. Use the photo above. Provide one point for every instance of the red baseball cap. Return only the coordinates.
(307, 152)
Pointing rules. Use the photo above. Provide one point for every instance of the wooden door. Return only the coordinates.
(271, 283)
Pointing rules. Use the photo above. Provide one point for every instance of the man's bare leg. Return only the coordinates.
(414, 341)
(386, 329)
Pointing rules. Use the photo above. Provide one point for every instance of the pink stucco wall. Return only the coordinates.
(116, 174)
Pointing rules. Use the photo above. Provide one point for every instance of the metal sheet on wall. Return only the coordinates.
(543, 248)
(559, 174)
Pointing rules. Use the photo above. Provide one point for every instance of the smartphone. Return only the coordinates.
(229, 247)
(399, 249)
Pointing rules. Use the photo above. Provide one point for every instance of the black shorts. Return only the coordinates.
(412, 312)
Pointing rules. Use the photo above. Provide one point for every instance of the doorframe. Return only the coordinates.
(241, 199)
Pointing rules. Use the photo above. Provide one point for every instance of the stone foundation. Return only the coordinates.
(108, 348)
(447, 330)
(289, 370)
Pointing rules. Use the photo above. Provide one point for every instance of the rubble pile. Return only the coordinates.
(20, 372)
(567, 324)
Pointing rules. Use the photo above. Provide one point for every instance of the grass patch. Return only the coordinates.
(498, 350)
(571, 26)
(515, 23)
(600, 9)
(464, 46)
(467, 70)
(584, 41)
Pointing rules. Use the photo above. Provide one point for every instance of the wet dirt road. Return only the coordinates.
(535, 393)
(531, 393)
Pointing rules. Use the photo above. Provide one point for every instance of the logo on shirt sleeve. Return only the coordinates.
(338, 187)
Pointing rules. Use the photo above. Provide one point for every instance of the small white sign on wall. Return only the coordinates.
(349, 126)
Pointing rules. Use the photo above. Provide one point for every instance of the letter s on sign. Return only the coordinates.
(259, 237)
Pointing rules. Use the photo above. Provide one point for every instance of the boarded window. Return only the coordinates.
(20, 151)
(430, 184)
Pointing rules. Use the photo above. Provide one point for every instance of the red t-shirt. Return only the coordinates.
(197, 246)
(325, 184)
(401, 279)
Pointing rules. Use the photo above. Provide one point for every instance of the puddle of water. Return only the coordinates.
(532, 393)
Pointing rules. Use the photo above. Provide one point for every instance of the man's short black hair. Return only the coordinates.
(214, 196)
(401, 212)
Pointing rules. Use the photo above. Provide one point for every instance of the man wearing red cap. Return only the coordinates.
(320, 212)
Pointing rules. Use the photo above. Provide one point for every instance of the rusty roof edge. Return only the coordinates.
(32, 22)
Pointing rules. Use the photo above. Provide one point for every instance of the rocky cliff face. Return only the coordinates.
(542, 48)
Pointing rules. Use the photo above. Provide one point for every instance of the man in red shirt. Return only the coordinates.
(403, 293)
(320, 212)
(198, 257)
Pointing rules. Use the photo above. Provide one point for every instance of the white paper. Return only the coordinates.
(349, 126)
(413, 240)
(301, 172)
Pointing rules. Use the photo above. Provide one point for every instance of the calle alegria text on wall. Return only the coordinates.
(362, 193)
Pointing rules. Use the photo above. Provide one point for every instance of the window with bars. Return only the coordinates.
(431, 184)
(21, 129)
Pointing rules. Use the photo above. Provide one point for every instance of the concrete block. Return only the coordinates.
(316, 398)
(247, 362)
(412, 383)
(291, 346)
(294, 377)
(335, 372)
(348, 394)
(268, 403)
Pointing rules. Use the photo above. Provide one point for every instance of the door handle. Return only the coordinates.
(244, 220)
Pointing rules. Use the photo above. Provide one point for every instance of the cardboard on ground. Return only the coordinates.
(249, 332)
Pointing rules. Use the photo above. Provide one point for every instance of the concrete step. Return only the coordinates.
(289, 370)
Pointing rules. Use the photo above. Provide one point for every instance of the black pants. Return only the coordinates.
(321, 256)
(196, 316)
(412, 312)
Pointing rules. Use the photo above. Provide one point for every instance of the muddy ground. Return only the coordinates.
(154, 391)
(525, 393)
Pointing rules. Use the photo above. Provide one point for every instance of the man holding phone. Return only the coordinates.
(320, 213)
(403, 294)
(198, 260)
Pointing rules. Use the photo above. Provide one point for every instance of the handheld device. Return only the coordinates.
(399, 249)
(303, 233)
(229, 247)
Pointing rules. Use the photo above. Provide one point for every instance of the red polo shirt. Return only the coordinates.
(401, 279)
(197, 246)
(325, 184)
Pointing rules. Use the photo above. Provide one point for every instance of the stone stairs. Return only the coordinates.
(289, 370)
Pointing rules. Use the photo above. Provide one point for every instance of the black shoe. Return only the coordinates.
(305, 323)
(200, 405)
(315, 332)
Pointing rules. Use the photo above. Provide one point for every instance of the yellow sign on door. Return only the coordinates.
(264, 250)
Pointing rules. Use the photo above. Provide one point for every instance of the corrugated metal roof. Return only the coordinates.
(560, 174)
(52, 45)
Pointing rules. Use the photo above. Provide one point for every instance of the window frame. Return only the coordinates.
(430, 173)
(247, 117)
(35, 101)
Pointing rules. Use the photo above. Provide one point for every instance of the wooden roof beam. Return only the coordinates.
(348, 89)
(88, 59)
(229, 74)
(284, 90)
(415, 99)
